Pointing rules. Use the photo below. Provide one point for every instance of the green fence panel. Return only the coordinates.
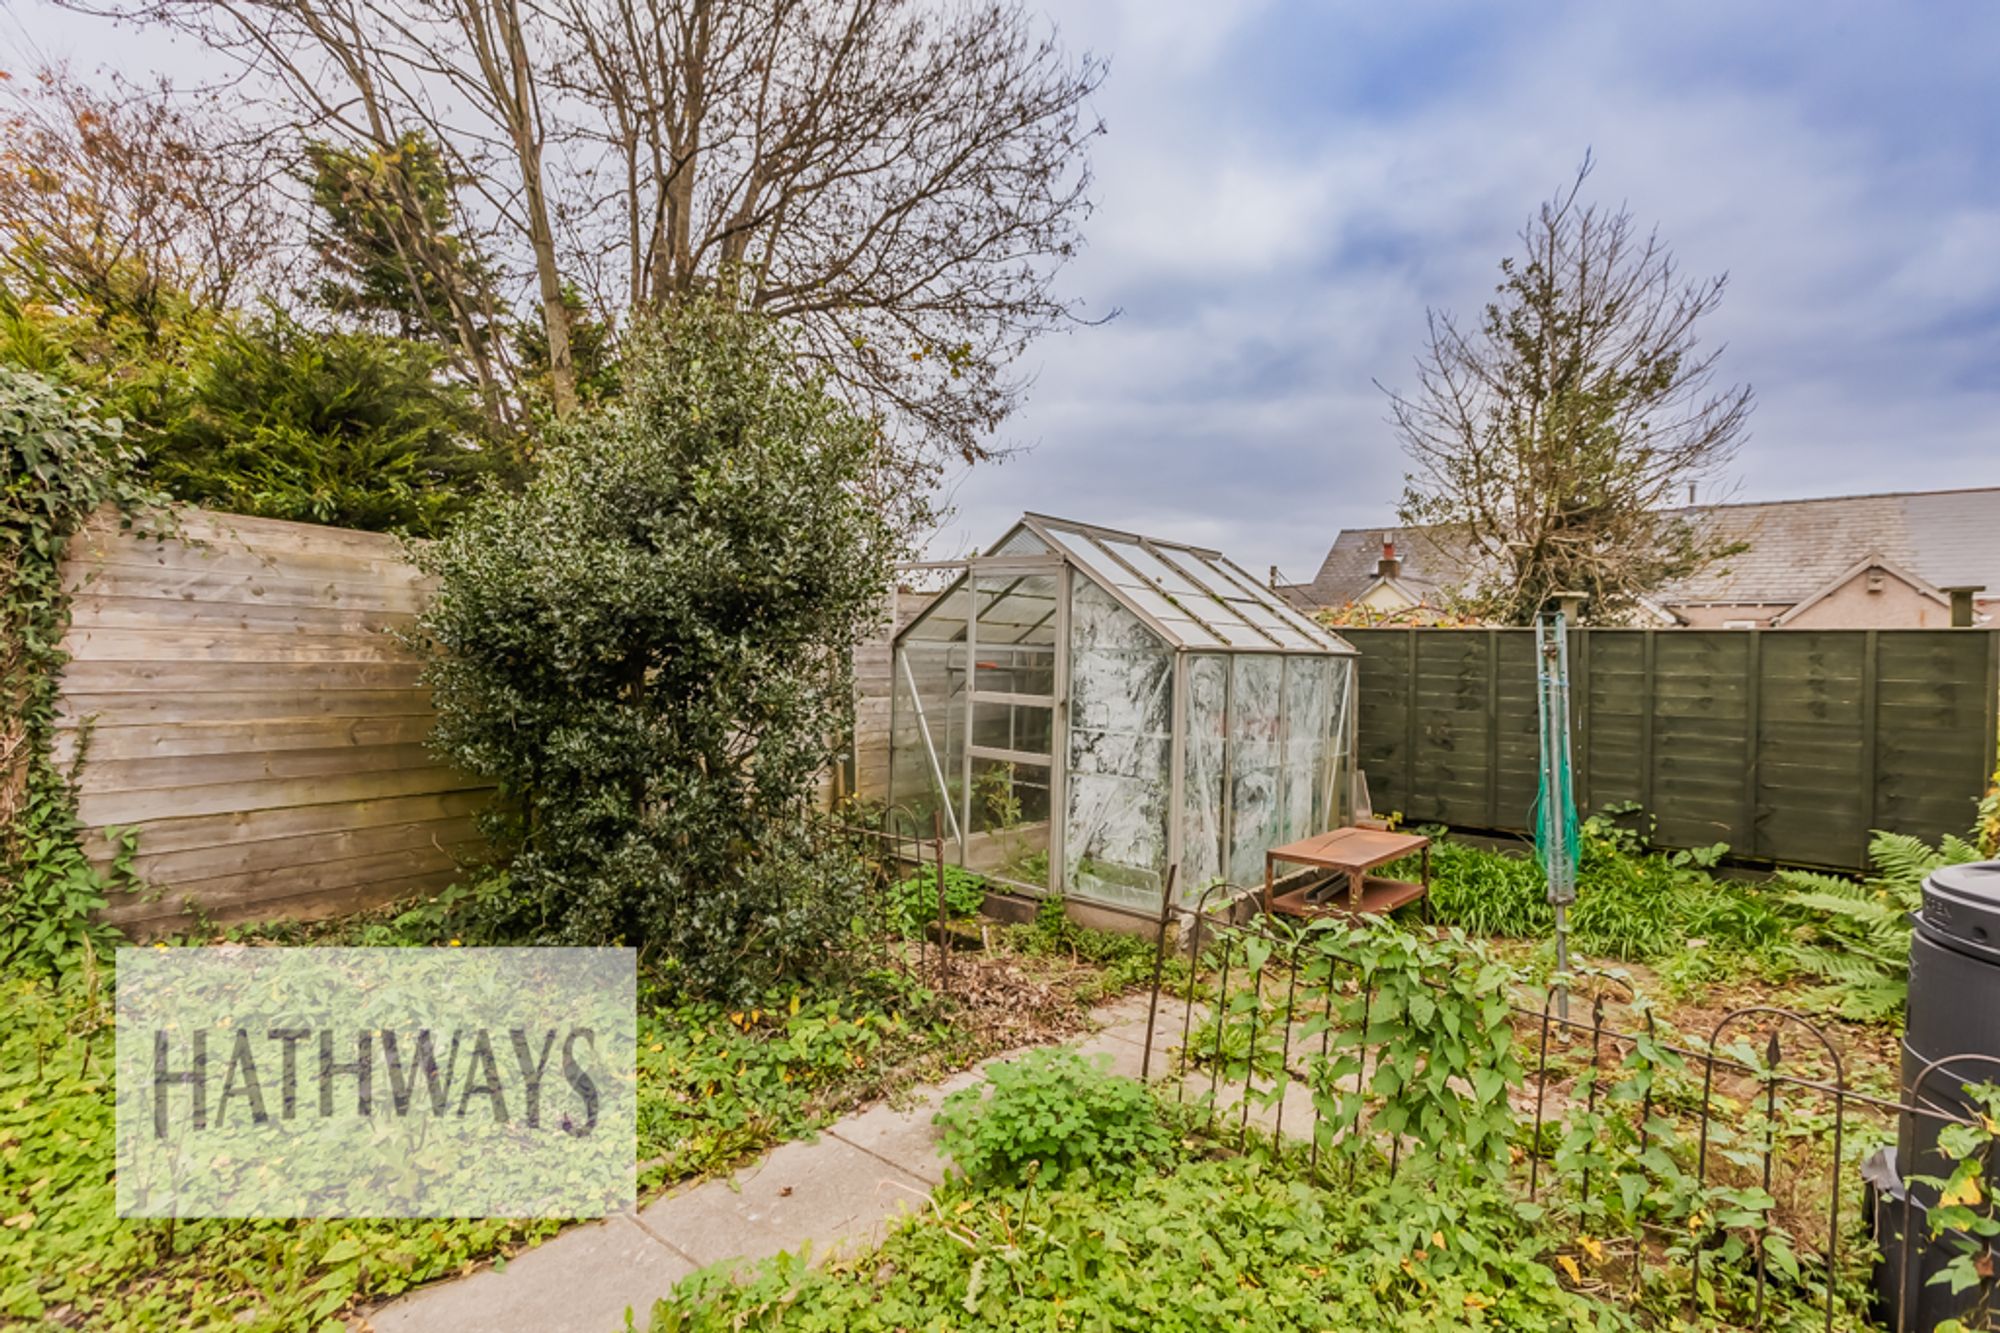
(1788, 745)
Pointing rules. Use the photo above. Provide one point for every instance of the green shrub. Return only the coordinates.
(342, 427)
(1049, 1115)
(913, 901)
(647, 650)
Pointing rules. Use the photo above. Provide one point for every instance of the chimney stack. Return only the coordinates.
(1388, 567)
(1962, 616)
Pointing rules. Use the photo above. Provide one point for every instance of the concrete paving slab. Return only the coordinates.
(839, 1192)
(826, 1192)
(1125, 1041)
(905, 1137)
(1125, 1056)
(581, 1281)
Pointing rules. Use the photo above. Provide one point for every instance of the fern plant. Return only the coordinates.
(1858, 940)
(1989, 819)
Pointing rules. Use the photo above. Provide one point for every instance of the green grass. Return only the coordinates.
(1633, 903)
(1229, 1244)
(716, 1086)
(68, 1260)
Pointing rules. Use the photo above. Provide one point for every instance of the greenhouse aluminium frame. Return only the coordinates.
(1084, 707)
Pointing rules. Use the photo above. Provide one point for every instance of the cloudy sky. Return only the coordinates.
(1286, 187)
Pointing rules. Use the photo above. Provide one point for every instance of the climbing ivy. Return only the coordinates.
(59, 462)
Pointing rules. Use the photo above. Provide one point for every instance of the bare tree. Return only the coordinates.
(124, 202)
(901, 179)
(373, 72)
(1555, 439)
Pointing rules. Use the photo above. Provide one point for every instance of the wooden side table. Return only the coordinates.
(1353, 852)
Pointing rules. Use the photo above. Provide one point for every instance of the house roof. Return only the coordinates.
(1433, 560)
(1795, 548)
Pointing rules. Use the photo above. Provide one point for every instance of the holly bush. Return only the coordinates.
(647, 649)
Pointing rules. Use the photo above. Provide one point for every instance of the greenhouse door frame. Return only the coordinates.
(1021, 566)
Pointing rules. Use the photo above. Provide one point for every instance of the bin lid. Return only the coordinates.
(1963, 902)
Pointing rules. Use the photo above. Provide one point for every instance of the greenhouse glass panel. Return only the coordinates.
(1015, 638)
(1255, 717)
(927, 735)
(1169, 578)
(1022, 542)
(1009, 836)
(1120, 741)
(944, 621)
(1308, 688)
(1204, 726)
(1009, 760)
(1339, 762)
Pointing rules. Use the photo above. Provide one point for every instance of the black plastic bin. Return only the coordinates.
(1953, 1018)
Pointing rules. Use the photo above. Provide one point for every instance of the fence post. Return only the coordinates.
(1871, 777)
(943, 944)
(1409, 784)
(1580, 720)
(1648, 705)
(1493, 728)
(1159, 968)
(1748, 843)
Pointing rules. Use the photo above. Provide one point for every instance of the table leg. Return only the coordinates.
(1426, 882)
(1355, 879)
(1269, 883)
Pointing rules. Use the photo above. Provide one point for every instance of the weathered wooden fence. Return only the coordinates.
(865, 770)
(245, 707)
(1789, 745)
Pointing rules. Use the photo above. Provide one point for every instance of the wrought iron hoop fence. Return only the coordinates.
(889, 853)
(1280, 958)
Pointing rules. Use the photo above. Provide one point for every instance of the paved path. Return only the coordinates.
(842, 1190)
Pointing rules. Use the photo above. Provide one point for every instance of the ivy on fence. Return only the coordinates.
(59, 463)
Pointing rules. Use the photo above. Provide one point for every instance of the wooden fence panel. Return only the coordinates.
(241, 702)
(874, 688)
(1788, 745)
(1518, 728)
(1383, 692)
(1452, 763)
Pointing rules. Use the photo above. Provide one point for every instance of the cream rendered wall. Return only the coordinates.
(1898, 605)
(1383, 598)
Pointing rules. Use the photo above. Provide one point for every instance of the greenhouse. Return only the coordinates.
(1083, 708)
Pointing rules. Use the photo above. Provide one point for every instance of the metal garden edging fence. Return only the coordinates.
(1789, 745)
(1767, 1107)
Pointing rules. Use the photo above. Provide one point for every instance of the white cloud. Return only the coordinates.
(1272, 263)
